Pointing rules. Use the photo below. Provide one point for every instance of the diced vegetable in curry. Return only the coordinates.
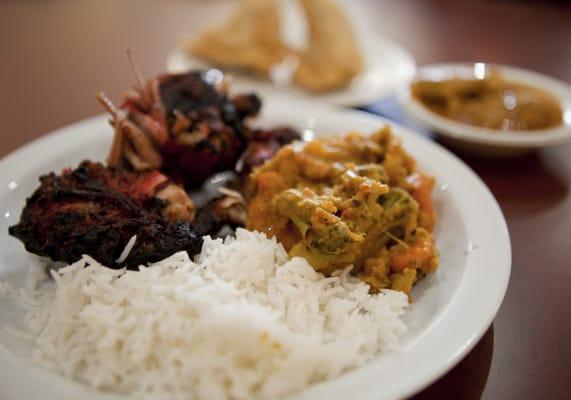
(356, 200)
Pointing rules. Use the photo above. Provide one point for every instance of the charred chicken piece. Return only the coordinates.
(263, 145)
(227, 210)
(118, 217)
(183, 124)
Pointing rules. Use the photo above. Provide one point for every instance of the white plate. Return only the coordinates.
(387, 67)
(484, 140)
(452, 308)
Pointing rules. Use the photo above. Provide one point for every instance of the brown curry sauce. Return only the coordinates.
(491, 103)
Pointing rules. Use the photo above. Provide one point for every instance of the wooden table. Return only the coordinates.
(57, 53)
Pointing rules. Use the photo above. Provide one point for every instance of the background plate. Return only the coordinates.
(387, 68)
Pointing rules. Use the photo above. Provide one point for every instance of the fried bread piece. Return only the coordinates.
(250, 39)
(332, 58)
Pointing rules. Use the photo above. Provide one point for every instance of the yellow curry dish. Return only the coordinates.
(352, 200)
(492, 103)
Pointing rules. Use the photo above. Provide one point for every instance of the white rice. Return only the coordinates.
(7, 290)
(241, 322)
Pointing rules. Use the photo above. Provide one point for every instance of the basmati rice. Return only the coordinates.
(241, 321)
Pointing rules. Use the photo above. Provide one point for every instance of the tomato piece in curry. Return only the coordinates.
(353, 200)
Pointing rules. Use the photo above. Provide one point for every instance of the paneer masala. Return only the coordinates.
(354, 199)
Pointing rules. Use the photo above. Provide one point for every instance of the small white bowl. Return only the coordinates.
(489, 141)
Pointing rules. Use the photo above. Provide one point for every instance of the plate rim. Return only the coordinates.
(472, 331)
